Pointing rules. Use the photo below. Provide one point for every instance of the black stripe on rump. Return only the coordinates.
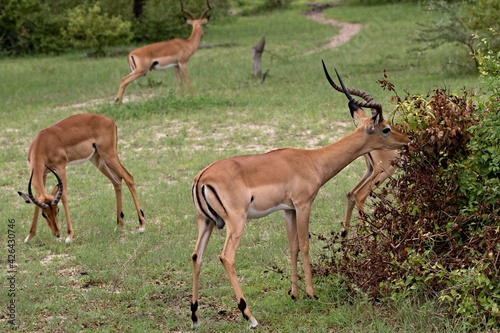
(219, 222)
(217, 196)
(218, 219)
(133, 61)
(198, 201)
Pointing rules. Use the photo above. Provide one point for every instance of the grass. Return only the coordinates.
(109, 280)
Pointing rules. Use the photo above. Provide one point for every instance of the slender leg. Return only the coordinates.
(117, 185)
(33, 225)
(234, 232)
(115, 171)
(179, 79)
(293, 242)
(378, 177)
(303, 236)
(183, 68)
(64, 199)
(125, 81)
(352, 198)
(205, 228)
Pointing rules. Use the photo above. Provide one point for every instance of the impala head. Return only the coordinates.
(47, 203)
(197, 21)
(380, 133)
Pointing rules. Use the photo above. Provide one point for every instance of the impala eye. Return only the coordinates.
(386, 130)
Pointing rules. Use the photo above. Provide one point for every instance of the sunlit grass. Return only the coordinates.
(109, 280)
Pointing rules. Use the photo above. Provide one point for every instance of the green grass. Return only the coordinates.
(109, 280)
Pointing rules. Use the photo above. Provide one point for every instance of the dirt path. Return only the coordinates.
(347, 30)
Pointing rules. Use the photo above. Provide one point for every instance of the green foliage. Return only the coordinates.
(480, 174)
(483, 17)
(14, 26)
(89, 27)
(29, 26)
(451, 27)
(375, 2)
(163, 20)
(276, 4)
(459, 23)
(435, 230)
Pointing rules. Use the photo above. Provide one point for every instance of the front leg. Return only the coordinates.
(33, 225)
(303, 237)
(293, 242)
(64, 200)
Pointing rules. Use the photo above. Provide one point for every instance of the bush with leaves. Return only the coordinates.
(459, 23)
(89, 27)
(435, 230)
(29, 26)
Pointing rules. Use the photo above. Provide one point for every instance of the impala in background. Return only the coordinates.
(380, 165)
(163, 55)
(74, 140)
(227, 192)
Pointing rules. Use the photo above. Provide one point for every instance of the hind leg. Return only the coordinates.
(205, 228)
(109, 164)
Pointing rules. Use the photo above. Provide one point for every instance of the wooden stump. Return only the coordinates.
(257, 51)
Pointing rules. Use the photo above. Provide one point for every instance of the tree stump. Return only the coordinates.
(257, 51)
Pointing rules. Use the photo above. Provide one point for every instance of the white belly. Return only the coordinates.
(159, 67)
(83, 160)
(256, 214)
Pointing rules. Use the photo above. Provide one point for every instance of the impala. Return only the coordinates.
(74, 140)
(380, 165)
(229, 191)
(163, 55)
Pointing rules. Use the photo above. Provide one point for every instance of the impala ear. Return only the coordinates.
(377, 117)
(189, 21)
(358, 115)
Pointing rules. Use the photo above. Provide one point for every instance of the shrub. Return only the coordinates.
(435, 230)
(89, 27)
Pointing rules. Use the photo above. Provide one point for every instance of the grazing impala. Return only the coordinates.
(380, 165)
(74, 140)
(172, 53)
(229, 191)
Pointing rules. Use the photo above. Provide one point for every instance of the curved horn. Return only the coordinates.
(187, 11)
(369, 102)
(58, 195)
(42, 205)
(206, 10)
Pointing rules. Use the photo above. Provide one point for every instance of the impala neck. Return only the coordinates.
(331, 159)
(196, 35)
